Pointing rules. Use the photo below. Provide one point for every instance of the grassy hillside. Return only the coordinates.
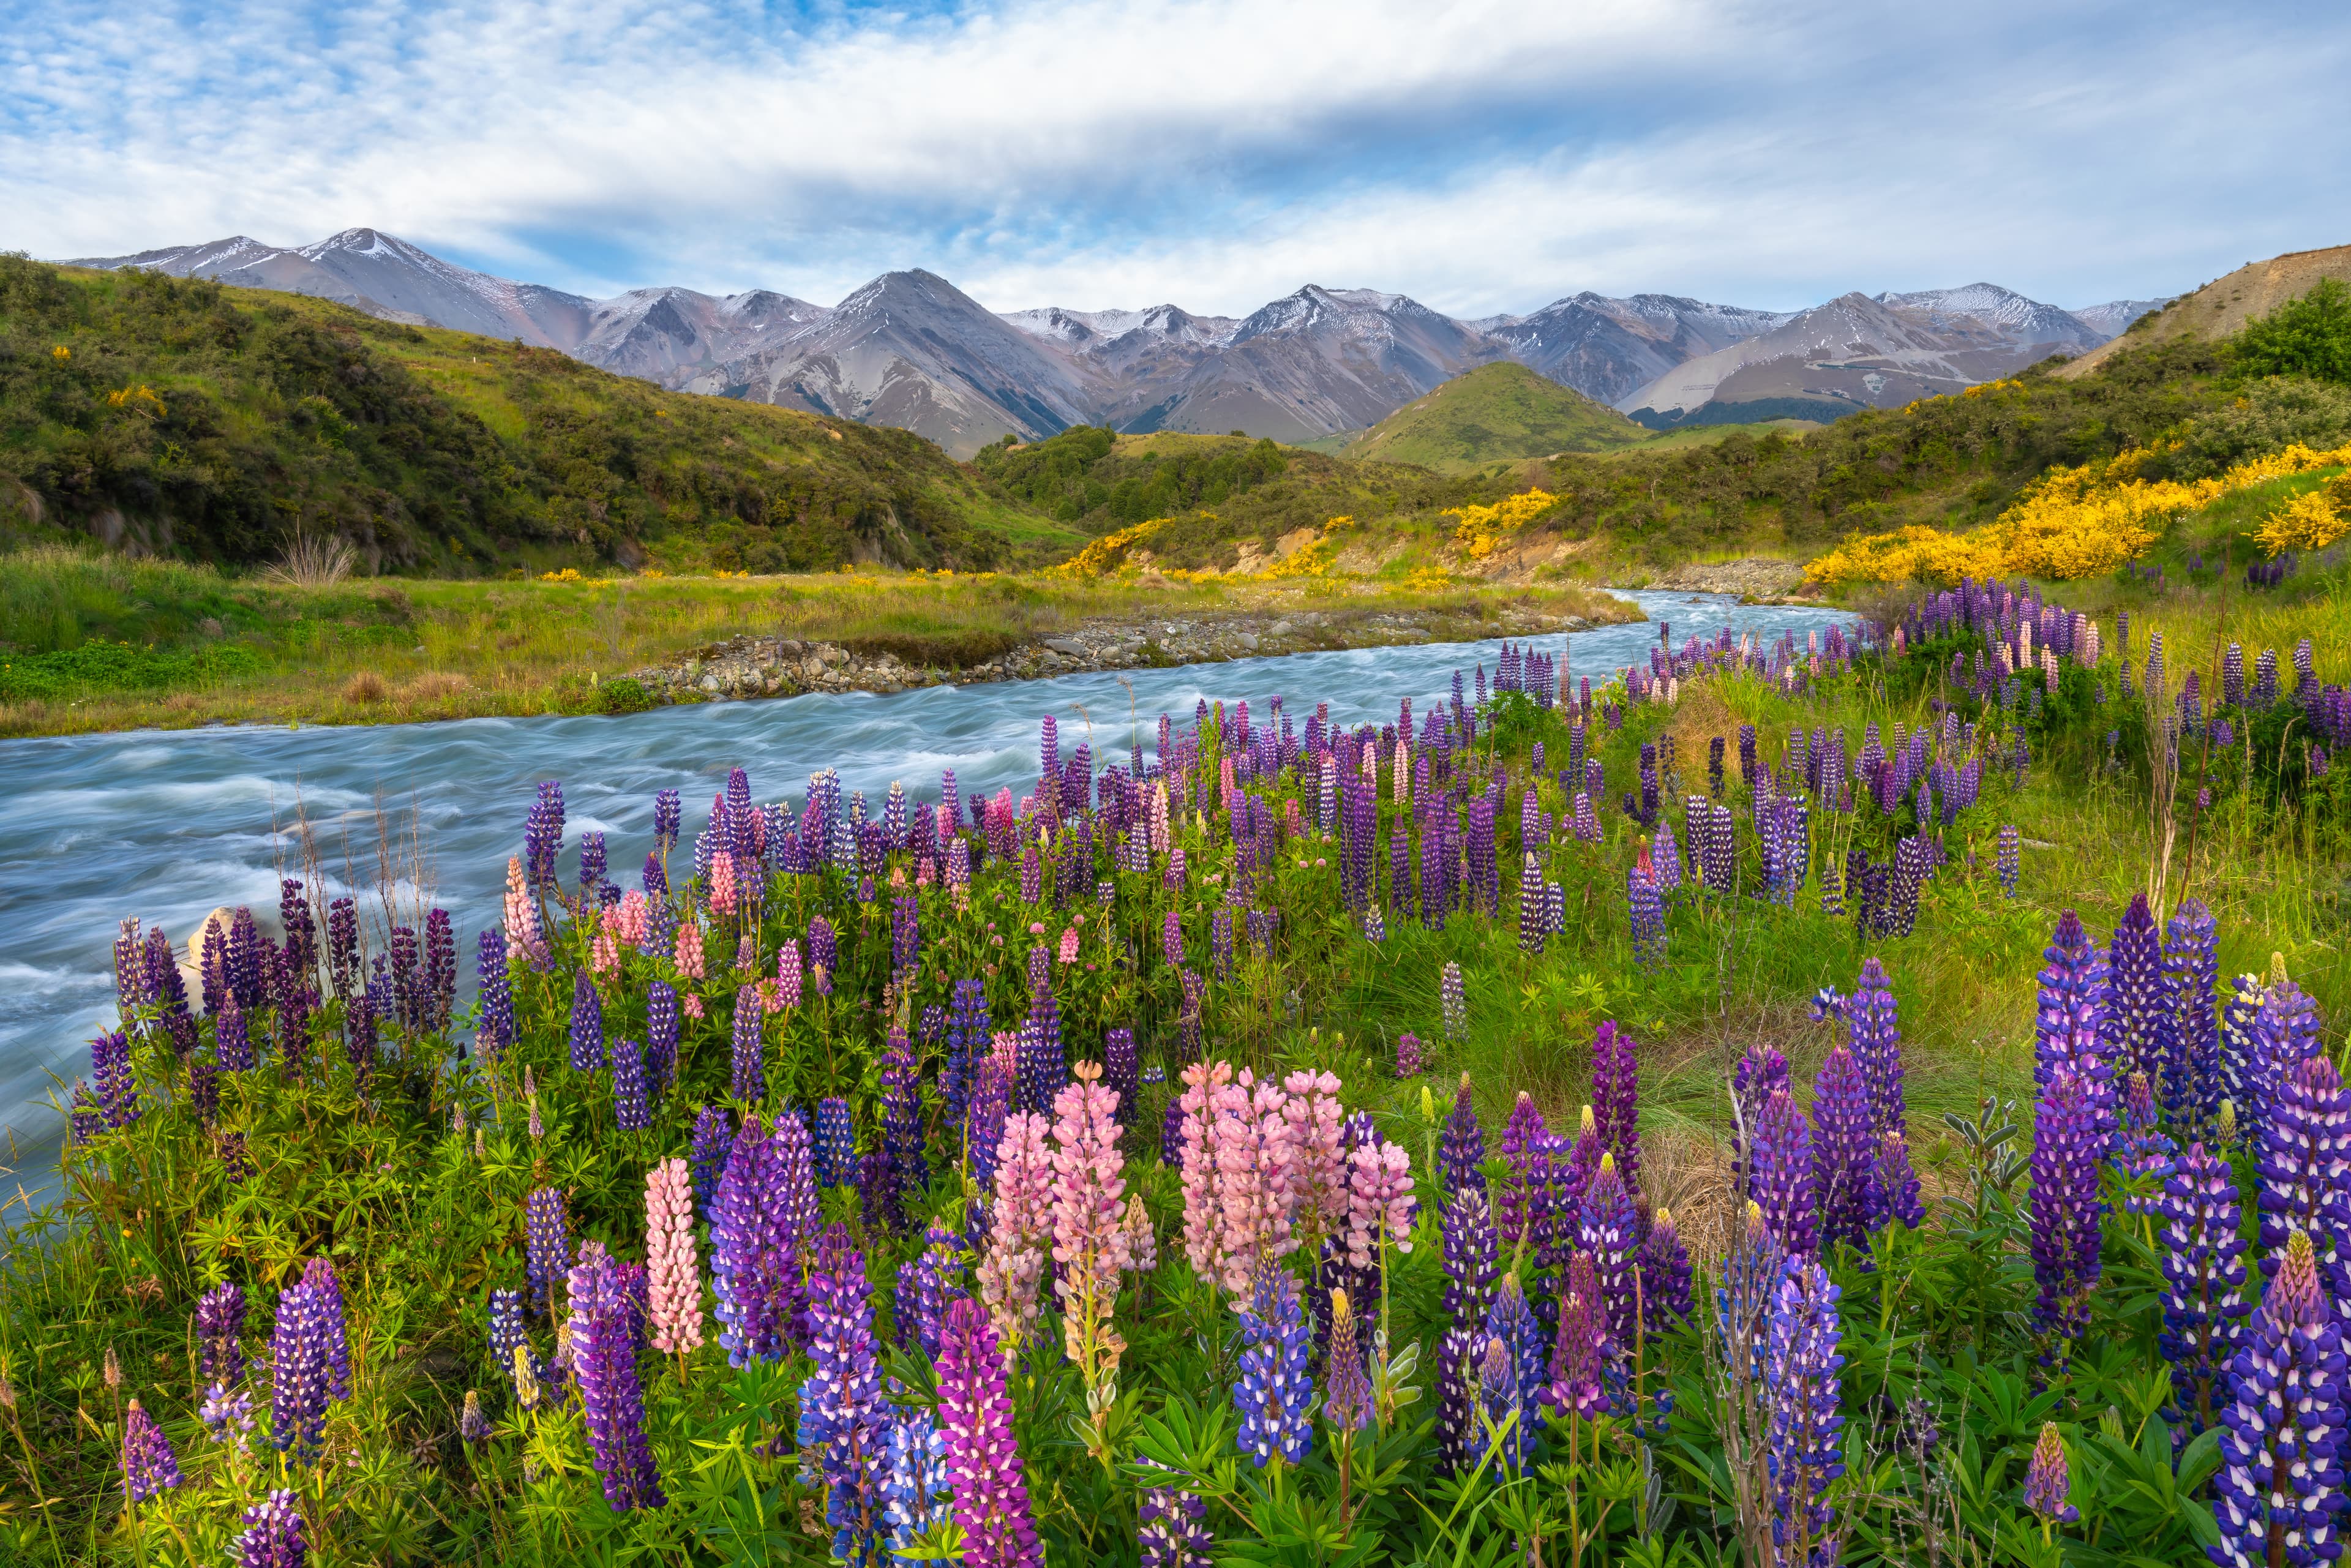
(1493, 414)
(215, 425)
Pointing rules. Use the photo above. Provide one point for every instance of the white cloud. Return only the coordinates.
(1482, 155)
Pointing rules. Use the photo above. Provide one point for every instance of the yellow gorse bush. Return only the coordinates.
(2312, 520)
(1106, 552)
(2072, 522)
(1482, 530)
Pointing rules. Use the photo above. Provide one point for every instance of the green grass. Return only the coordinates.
(1501, 413)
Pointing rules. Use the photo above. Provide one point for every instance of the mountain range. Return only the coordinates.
(910, 350)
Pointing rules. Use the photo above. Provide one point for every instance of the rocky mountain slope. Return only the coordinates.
(910, 350)
(2223, 306)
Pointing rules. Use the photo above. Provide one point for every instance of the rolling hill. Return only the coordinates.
(2223, 306)
(1495, 412)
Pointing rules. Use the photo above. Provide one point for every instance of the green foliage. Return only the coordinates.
(2265, 417)
(1076, 478)
(2307, 337)
(1495, 412)
(119, 667)
(624, 694)
(214, 424)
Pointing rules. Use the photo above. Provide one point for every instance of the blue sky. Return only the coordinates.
(1481, 156)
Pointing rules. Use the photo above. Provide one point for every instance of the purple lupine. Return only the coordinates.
(2304, 1167)
(2279, 1486)
(440, 994)
(547, 1245)
(967, 1042)
(1844, 1150)
(2069, 1025)
(1761, 1068)
(1875, 1035)
(607, 1334)
(2203, 1278)
(1463, 1147)
(824, 954)
(494, 1034)
(2009, 863)
(1616, 1099)
(308, 1327)
(506, 1330)
(1172, 1528)
(2192, 972)
(1470, 1258)
(1348, 1399)
(1665, 1271)
(587, 1025)
(1121, 1071)
(843, 1416)
(1782, 1178)
(1408, 1062)
(906, 934)
(915, 1491)
(2284, 1032)
(2139, 1016)
(220, 1332)
(909, 1171)
(631, 1114)
(1274, 1390)
(1892, 1192)
(747, 1070)
(836, 1143)
(1582, 1354)
(1524, 1144)
(1043, 1062)
(1608, 1230)
(2065, 1206)
(713, 1137)
(1647, 910)
(991, 1496)
(343, 945)
(273, 1535)
(542, 834)
(1509, 1379)
(114, 1089)
(754, 1264)
(660, 1035)
(926, 1285)
(2046, 1481)
(1801, 1372)
(149, 1465)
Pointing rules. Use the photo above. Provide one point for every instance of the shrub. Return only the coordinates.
(366, 686)
(626, 693)
(2307, 337)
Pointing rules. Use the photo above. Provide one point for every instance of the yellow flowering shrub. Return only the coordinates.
(1106, 552)
(2312, 520)
(1479, 531)
(1912, 554)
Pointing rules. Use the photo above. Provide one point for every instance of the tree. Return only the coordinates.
(2307, 337)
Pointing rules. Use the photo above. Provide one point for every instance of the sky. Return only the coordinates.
(1479, 155)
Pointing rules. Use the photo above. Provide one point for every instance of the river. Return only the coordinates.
(167, 825)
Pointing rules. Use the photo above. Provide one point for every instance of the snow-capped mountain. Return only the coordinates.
(911, 350)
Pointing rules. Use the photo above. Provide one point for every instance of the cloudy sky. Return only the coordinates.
(1481, 155)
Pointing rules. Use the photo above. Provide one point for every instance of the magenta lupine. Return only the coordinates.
(2045, 1480)
(1608, 1230)
(546, 1244)
(1844, 1153)
(754, 1262)
(1782, 1179)
(991, 1495)
(1409, 1061)
(1616, 1099)
(2304, 1167)
(607, 1328)
(2069, 1026)
(674, 1273)
(1581, 1353)
(149, 1465)
(1801, 1372)
(273, 1535)
(2065, 1206)
(843, 1421)
(2279, 1489)
(2204, 1278)
(1875, 1034)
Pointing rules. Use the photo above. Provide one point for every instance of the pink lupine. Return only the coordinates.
(523, 940)
(1315, 1126)
(1009, 1275)
(1069, 954)
(1024, 1180)
(1142, 1240)
(1090, 1238)
(1004, 1045)
(604, 952)
(689, 953)
(674, 1274)
(626, 920)
(788, 972)
(691, 1003)
(1254, 1200)
(722, 881)
(1379, 1200)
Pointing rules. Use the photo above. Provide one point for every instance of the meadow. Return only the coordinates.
(1863, 1101)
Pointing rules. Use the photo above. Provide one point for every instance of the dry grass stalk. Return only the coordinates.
(312, 562)
(433, 686)
(366, 686)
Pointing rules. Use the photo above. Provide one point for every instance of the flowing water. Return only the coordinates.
(169, 825)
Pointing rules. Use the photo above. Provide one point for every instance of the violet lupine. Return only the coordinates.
(2069, 1026)
(308, 1344)
(2304, 1167)
(587, 1025)
(1274, 1390)
(607, 1328)
(1409, 1061)
(1782, 1180)
(2279, 1488)
(926, 1285)
(1665, 1270)
(1761, 1068)
(2284, 1032)
(220, 1331)
(991, 1497)
(1801, 1372)
(843, 1421)
(2203, 1278)
(713, 1136)
(1463, 1147)
(1582, 1352)
(1347, 1398)
(1173, 1530)
(273, 1535)
(546, 1244)
(1089, 1229)
(1608, 1230)
(1122, 1072)
(917, 1495)
(631, 1114)
(115, 1089)
(674, 1272)
(2139, 1021)
(1454, 1001)
(231, 1041)
(747, 1073)
(494, 1034)
(1043, 1063)
(754, 1262)
(1892, 1191)
(1874, 1033)
(2065, 1206)
(2046, 1481)
(2192, 970)
(1844, 1152)
(836, 1143)
(149, 1465)
(1616, 1099)
(1647, 909)
(1525, 1143)
(2010, 862)
(660, 1035)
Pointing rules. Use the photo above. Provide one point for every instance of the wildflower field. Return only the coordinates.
(1786, 1105)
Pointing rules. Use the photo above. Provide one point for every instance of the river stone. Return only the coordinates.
(1069, 646)
(1249, 641)
(1278, 629)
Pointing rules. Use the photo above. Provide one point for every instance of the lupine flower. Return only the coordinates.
(1876, 1036)
(2203, 1279)
(1379, 1200)
(1581, 1353)
(117, 1090)
(2010, 862)
(1511, 1370)
(2140, 1020)
(2191, 971)
(273, 1534)
(1525, 1144)
(2284, 1032)
(687, 954)
(1407, 1056)
(149, 1465)
(2065, 1204)
(991, 1498)
(843, 1416)
(1275, 1390)
(506, 1333)
(231, 1043)
(2070, 1025)
(1044, 1065)
(2304, 1167)
(1760, 1070)
(836, 1143)
(220, 1330)
(1664, 1272)
(1783, 1180)
(1456, 1002)
(674, 1274)
(630, 1111)
(754, 1258)
(713, 1137)
(227, 1417)
(1471, 1263)
(747, 1073)
(1609, 1231)
(2045, 1480)
(1892, 1192)
(495, 1033)
(1844, 1153)
(327, 1291)
(1802, 1368)
(473, 1427)
(1172, 1528)
(587, 1025)
(2280, 1486)
(1463, 1147)
(1347, 1404)
(1616, 1099)
(1089, 1224)
(1121, 1071)
(308, 1328)
(916, 1492)
(606, 1329)
(1647, 909)
(925, 1287)
(546, 1244)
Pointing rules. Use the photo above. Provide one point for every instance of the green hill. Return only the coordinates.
(181, 418)
(1494, 414)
